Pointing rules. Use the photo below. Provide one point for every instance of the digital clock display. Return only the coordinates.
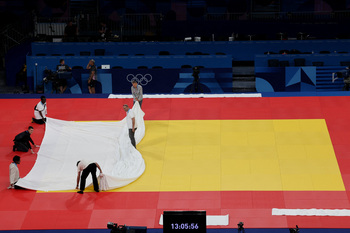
(184, 221)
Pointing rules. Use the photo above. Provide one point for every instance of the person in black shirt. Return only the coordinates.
(104, 31)
(70, 32)
(62, 82)
(21, 141)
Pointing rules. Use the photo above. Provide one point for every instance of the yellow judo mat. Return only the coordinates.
(220, 155)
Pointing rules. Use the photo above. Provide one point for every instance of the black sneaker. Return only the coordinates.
(80, 192)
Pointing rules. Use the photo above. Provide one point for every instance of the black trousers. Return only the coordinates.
(132, 137)
(89, 169)
(38, 121)
(22, 146)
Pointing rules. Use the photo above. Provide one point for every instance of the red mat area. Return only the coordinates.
(25, 209)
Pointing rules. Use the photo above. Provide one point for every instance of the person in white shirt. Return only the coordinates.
(84, 169)
(14, 172)
(40, 111)
(131, 123)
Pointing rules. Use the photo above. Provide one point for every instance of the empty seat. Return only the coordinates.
(164, 53)
(317, 63)
(299, 62)
(40, 54)
(139, 54)
(117, 67)
(220, 53)
(157, 67)
(123, 54)
(186, 66)
(342, 52)
(56, 55)
(188, 53)
(200, 67)
(69, 54)
(273, 63)
(99, 52)
(77, 68)
(345, 63)
(324, 52)
(197, 53)
(85, 53)
(142, 67)
(284, 63)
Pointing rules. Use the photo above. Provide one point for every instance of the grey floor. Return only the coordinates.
(4, 89)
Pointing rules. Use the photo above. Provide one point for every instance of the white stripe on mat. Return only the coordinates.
(311, 212)
(212, 220)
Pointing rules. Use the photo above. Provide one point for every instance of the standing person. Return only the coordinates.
(85, 168)
(14, 172)
(40, 111)
(62, 81)
(137, 92)
(92, 78)
(196, 86)
(70, 32)
(346, 79)
(21, 141)
(131, 123)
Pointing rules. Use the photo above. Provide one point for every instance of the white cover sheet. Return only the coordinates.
(66, 142)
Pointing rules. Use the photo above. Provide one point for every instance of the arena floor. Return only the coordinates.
(236, 156)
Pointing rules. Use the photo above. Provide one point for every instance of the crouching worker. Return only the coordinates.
(84, 169)
(21, 141)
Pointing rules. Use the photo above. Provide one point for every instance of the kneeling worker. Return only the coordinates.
(40, 111)
(21, 141)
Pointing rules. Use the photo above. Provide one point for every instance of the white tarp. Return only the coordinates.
(212, 220)
(66, 142)
(311, 212)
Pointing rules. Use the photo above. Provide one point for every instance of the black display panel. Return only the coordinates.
(184, 221)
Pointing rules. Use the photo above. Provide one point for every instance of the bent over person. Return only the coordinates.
(84, 169)
(40, 111)
(21, 141)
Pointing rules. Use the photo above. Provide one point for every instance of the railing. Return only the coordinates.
(141, 25)
(281, 16)
(128, 25)
(15, 33)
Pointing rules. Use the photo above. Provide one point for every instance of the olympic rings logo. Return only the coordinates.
(141, 79)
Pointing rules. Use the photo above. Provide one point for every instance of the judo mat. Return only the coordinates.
(241, 157)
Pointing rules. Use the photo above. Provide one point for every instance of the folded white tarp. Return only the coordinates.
(311, 212)
(212, 220)
(66, 142)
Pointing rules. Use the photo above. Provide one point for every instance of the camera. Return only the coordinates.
(115, 228)
(49, 76)
(240, 227)
(294, 230)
